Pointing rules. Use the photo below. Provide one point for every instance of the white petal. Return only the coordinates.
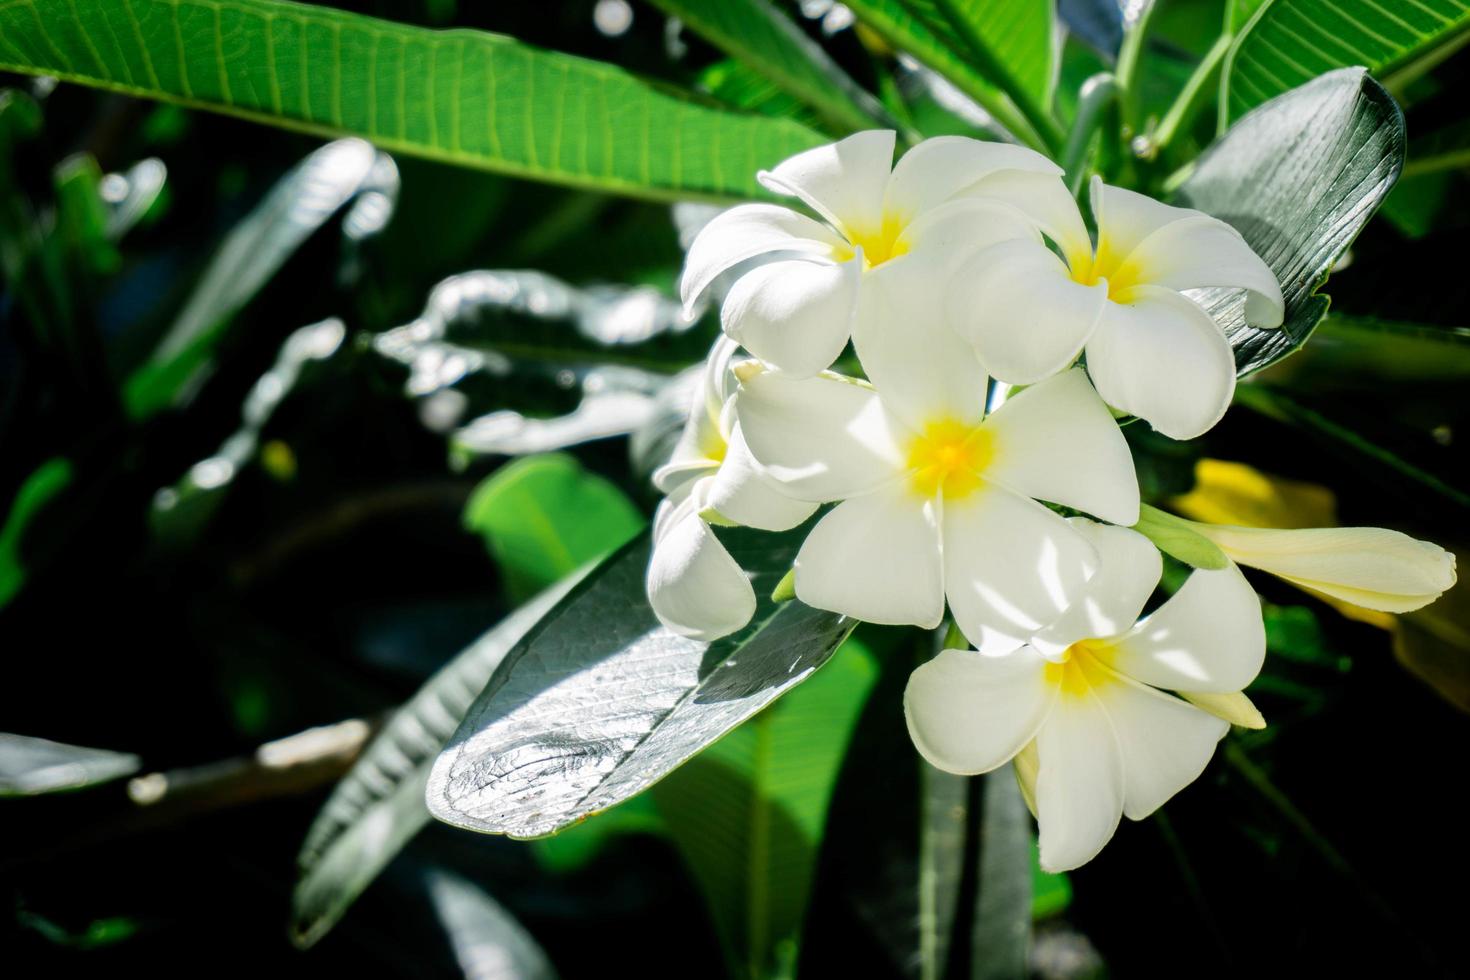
(939, 168)
(922, 369)
(795, 315)
(1128, 569)
(1018, 305)
(844, 181)
(875, 558)
(969, 713)
(1209, 637)
(743, 233)
(1079, 786)
(1234, 708)
(695, 587)
(947, 235)
(1028, 764)
(1125, 218)
(1203, 251)
(820, 438)
(1368, 566)
(745, 495)
(1056, 441)
(1011, 567)
(1046, 200)
(1165, 742)
(1162, 358)
(701, 441)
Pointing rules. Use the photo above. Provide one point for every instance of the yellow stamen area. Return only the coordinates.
(714, 447)
(1081, 669)
(948, 457)
(1121, 273)
(878, 244)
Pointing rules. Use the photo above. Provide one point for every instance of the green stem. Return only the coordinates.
(1192, 97)
(1437, 164)
(1096, 95)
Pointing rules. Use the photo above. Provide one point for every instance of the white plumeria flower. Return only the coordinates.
(1082, 709)
(946, 196)
(1371, 567)
(1151, 351)
(695, 588)
(937, 499)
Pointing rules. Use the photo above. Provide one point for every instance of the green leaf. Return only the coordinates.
(486, 939)
(935, 43)
(1353, 354)
(600, 702)
(748, 812)
(379, 805)
(465, 97)
(1290, 42)
(543, 517)
(1010, 41)
(32, 766)
(300, 202)
(1444, 149)
(765, 39)
(44, 483)
(1298, 177)
(1175, 536)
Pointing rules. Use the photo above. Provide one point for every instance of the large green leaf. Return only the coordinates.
(1290, 42)
(932, 39)
(748, 812)
(465, 97)
(600, 701)
(1298, 177)
(765, 39)
(1014, 39)
(379, 805)
(35, 492)
(544, 516)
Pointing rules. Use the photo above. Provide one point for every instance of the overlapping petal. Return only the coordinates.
(795, 315)
(1128, 570)
(876, 558)
(969, 713)
(1164, 359)
(844, 182)
(1057, 441)
(1018, 305)
(1199, 251)
(1209, 637)
(945, 166)
(1011, 567)
(820, 438)
(695, 588)
(745, 232)
(739, 491)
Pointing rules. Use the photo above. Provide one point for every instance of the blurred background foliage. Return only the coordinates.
(286, 426)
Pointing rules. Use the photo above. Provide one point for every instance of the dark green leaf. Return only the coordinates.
(1290, 42)
(379, 805)
(256, 248)
(487, 941)
(31, 766)
(748, 812)
(48, 480)
(465, 97)
(1298, 177)
(545, 516)
(600, 702)
(765, 39)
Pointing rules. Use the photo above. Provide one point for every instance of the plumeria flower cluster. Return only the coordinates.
(968, 461)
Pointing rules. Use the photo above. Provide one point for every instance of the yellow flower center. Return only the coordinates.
(1121, 273)
(878, 244)
(1081, 669)
(713, 446)
(948, 457)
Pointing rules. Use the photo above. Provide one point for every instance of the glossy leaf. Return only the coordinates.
(1290, 42)
(1013, 37)
(301, 202)
(761, 36)
(748, 813)
(35, 492)
(545, 516)
(1298, 177)
(31, 766)
(600, 702)
(465, 97)
(379, 805)
(486, 939)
